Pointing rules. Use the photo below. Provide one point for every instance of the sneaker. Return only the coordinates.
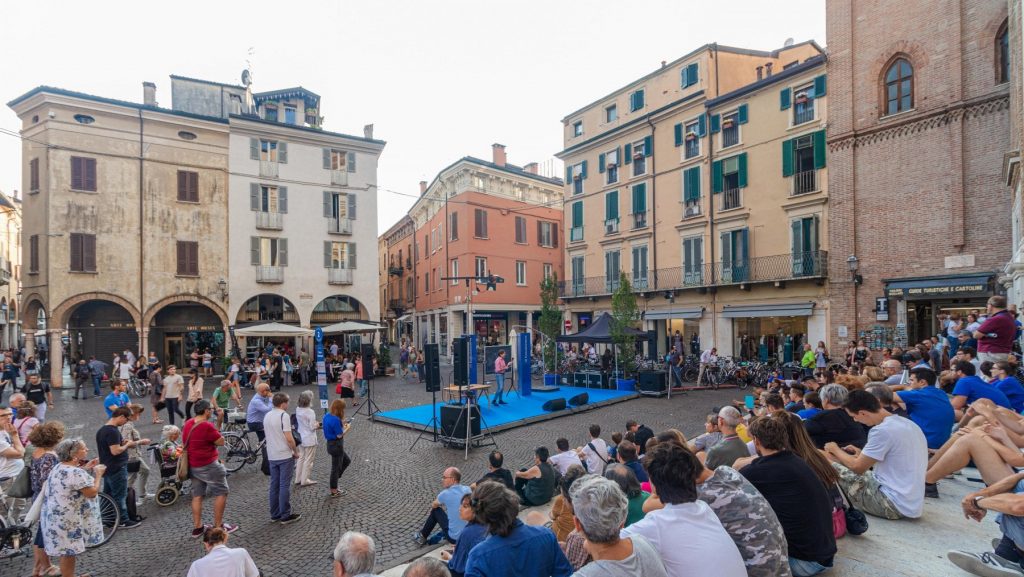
(291, 518)
(229, 528)
(419, 538)
(150, 495)
(198, 531)
(984, 564)
(931, 490)
(435, 538)
(130, 524)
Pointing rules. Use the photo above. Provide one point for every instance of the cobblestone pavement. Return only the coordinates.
(386, 491)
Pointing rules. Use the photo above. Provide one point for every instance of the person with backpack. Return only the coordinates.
(594, 453)
(282, 452)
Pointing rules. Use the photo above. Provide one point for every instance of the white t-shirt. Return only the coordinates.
(9, 466)
(275, 423)
(223, 561)
(901, 450)
(691, 541)
(307, 425)
(596, 461)
(124, 370)
(564, 460)
(173, 384)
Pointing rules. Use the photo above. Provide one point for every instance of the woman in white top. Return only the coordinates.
(221, 560)
(124, 369)
(195, 391)
(308, 424)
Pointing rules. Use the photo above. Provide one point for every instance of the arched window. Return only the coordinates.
(1002, 55)
(899, 87)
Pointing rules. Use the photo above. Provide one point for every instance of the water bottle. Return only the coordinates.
(905, 377)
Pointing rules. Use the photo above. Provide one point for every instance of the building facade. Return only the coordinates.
(397, 278)
(10, 271)
(1011, 46)
(124, 227)
(479, 218)
(919, 111)
(705, 183)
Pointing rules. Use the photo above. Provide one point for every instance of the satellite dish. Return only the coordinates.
(246, 78)
(787, 43)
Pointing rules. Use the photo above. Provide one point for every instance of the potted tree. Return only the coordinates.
(549, 326)
(625, 316)
(384, 359)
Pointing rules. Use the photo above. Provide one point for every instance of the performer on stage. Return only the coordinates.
(500, 366)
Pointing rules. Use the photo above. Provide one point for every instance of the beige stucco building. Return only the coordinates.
(704, 182)
(10, 270)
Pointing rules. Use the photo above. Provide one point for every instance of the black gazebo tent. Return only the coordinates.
(599, 332)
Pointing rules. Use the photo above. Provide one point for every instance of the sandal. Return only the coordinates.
(53, 571)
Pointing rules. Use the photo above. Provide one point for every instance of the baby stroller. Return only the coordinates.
(170, 488)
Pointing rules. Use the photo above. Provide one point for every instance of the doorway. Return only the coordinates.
(174, 351)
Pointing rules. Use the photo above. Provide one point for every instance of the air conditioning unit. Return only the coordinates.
(692, 209)
(611, 226)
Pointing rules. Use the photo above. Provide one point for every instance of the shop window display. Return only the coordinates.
(760, 339)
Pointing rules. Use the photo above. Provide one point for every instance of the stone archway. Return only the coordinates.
(185, 298)
(181, 324)
(337, 308)
(62, 312)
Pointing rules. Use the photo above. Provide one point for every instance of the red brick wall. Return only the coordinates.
(907, 191)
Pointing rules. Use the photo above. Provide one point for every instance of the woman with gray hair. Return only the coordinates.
(599, 507)
(70, 517)
(307, 425)
(834, 424)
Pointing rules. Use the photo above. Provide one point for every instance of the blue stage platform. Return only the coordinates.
(518, 412)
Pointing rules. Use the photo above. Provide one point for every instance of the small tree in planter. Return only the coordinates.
(384, 358)
(625, 315)
(550, 321)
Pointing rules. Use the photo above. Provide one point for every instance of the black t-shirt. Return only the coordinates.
(800, 501)
(503, 476)
(37, 392)
(835, 425)
(640, 438)
(278, 363)
(109, 435)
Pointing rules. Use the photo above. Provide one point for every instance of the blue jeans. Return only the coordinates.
(363, 386)
(499, 378)
(954, 344)
(281, 474)
(115, 484)
(96, 380)
(803, 568)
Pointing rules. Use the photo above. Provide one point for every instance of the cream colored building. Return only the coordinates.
(124, 227)
(10, 270)
(704, 182)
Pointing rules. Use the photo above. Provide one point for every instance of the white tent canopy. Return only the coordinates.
(352, 327)
(273, 330)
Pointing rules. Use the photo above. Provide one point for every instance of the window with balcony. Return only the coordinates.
(269, 252)
(803, 104)
(610, 166)
(735, 256)
(639, 205)
(611, 212)
(520, 230)
(691, 191)
(481, 266)
(804, 238)
(268, 150)
(576, 230)
(577, 275)
(577, 128)
(575, 174)
(549, 270)
(339, 210)
(611, 270)
(269, 203)
(730, 130)
(693, 261)
(547, 234)
(691, 136)
(801, 158)
(611, 113)
(340, 163)
(521, 273)
(729, 177)
(639, 254)
(641, 149)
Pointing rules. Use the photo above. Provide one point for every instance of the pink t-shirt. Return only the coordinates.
(500, 365)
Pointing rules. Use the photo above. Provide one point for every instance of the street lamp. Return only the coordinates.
(222, 285)
(853, 264)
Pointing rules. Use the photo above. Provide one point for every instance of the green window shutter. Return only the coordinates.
(640, 198)
(741, 116)
(254, 149)
(716, 123)
(328, 204)
(577, 214)
(742, 164)
(583, 170)
(351, 205)
(787, 158)
(282, 152)
(611, 205)
(351, 255)
(785, 97)
(678, 131)
(702, 125)
(600, 163)
(254, 250)
(327, 254)
(716, 176)
(691, 184)
(628, 156)
(568, 174)
(639, 99)
(282, 251)
(819, 149)
(691, 74)
(820, 85)
(254, 196)
(327, 158)
(648, 145)
(682, 77)
(282, 200)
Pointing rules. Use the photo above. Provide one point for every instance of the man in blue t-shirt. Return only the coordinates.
(1001, 377)
(928, 407)
(444, 511)
(117, 397)
(970, 388)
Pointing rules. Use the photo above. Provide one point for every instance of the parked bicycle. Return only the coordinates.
(238, 450)
(138, 387)
(16, 536)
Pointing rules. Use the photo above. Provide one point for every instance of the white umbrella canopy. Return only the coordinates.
(273, 330)
(352, 327)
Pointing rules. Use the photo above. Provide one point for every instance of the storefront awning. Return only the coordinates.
(676, 313)
(976, 285)
(768, 310)
(404, 318)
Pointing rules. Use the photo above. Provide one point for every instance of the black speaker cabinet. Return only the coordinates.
(555, 404)
(453, 421)
(651, 383)
(460, 357)
(432, 367)
(367, 358)
(579, 400)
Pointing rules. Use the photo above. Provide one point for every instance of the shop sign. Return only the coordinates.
(201, 328)
(972, 289)
(482, 316)
(881, 308)
(568, 324)
(843, 331)
(122, 325)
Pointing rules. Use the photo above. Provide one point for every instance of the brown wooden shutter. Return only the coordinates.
(33, 175)
(182, 265)
(193, 258)
(33, 253)
(182, 186)
(76, 173)
(89, 252)
(540, 233)
(76, 252)
(89, 179)
(193, 186)
(555, 233)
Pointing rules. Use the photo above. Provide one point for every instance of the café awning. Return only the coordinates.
(676, 313)
(804, 309)
(973, 285)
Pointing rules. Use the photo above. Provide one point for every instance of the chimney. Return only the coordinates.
(768, 70)
(423, 187)
(664, 64)
(149, 94)
(368, 131)
(531, 168)
(498, 154)
(760, 72)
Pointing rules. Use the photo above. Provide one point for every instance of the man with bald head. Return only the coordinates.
(893, 370)
(444, 511)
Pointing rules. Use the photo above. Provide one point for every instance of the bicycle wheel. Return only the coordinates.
(109, 516)
(235, 451)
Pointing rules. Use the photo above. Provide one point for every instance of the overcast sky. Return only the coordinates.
(439, 79)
